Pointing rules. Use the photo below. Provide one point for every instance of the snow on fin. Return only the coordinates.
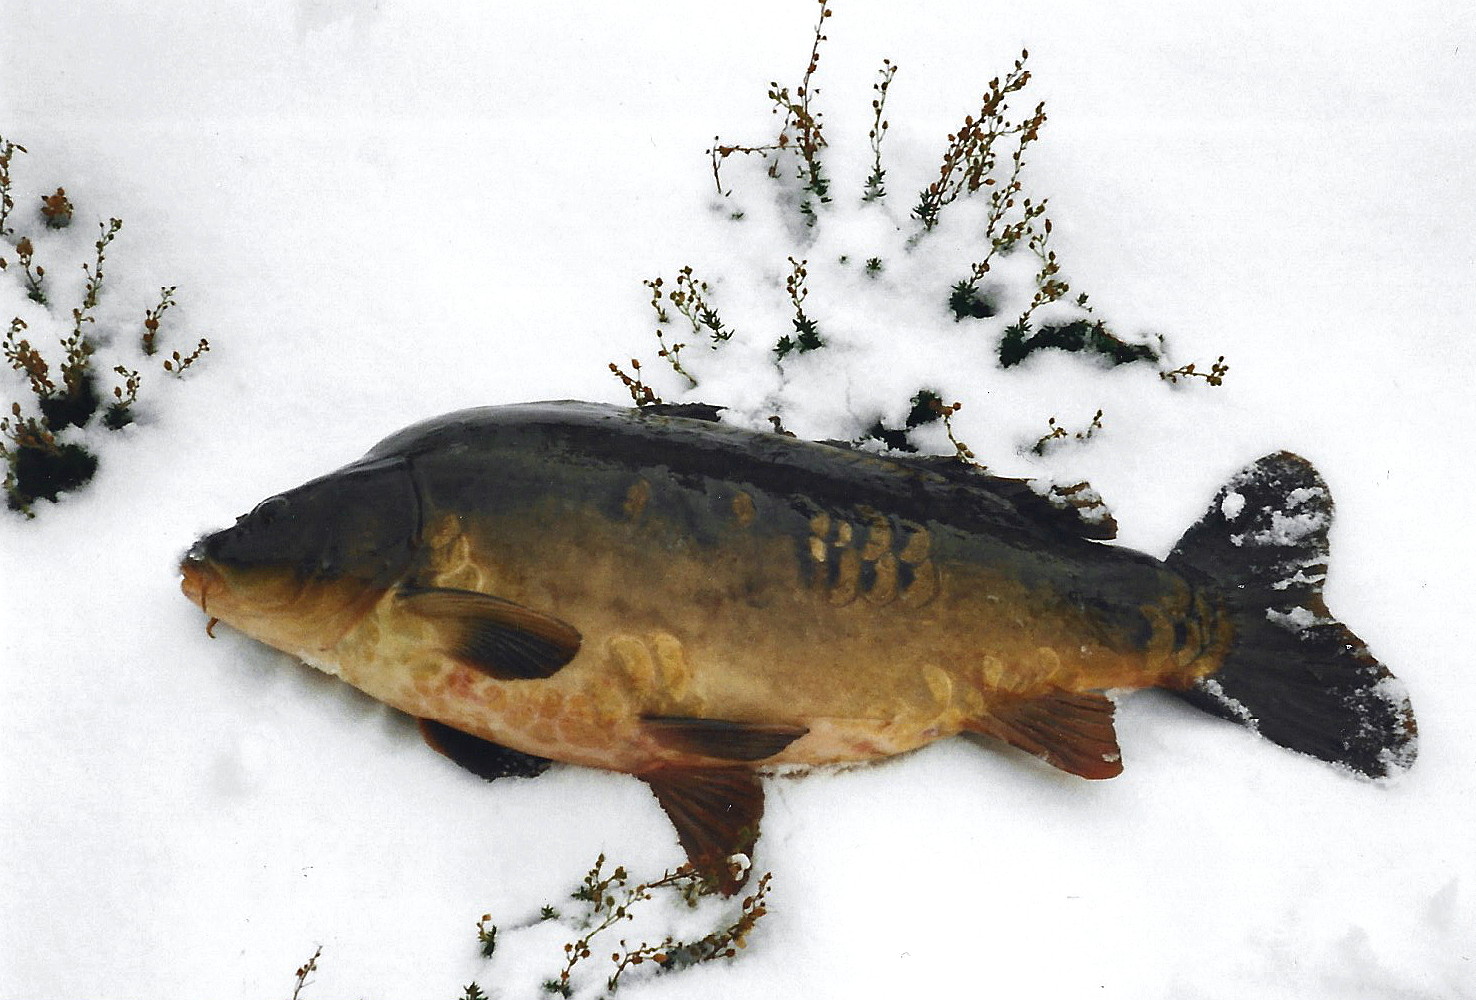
(1295, 674)
(481, 757)
(504, 640)
(1070, 730)
(716, 812)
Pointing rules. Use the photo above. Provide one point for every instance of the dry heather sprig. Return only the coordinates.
(963, 451)
(25, 358)
(807, 334)
(1215, 376)
(153, 316)
(177, 365)
(1057, 433)
(641, 393)
(79, 350)
(612, 899)
(487, 935)
(690, 297)
(875, 184)
(25, 252)
(305, 970)
(57, 209)
(969, 160)
(671, 352)
(95, 272)
(800, 131)
(8, 150)
(671, 954)
(969, 165)
(119, 412)
(809, 134)
(27, 432)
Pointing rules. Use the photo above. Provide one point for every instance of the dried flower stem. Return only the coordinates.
(25, 358)
(57, 209)
(612, 899)
(1057, 432)
(807, 334)
(875, 187)
(305, 970)
(152, 318)
(25, 253)
(968, 162)
(800, 130)
(1215, 376)
(177, 365)
(946, 412)
(95, 273)
(7, 150)
(641, 393)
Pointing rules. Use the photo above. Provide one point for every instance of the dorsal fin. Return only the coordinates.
(1071, 730)
(692, 411)
(1077, 508)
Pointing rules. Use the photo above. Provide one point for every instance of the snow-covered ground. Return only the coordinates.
(381, 211)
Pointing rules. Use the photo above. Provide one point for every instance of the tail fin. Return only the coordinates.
(1295, 674)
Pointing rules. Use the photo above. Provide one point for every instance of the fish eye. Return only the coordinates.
(264, 514)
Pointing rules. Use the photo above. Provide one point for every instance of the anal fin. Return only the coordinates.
(716, 812)
(481, 757)
(1070, 730)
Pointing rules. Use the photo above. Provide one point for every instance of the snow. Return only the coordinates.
(378, 212)
(1232, 505)
(1295, 619)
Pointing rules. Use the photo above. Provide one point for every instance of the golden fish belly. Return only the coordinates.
(876, 639)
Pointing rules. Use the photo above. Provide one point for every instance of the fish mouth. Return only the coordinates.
(199, 577)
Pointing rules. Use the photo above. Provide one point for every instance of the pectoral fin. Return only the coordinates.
(745, 741)
(481, 757)
(716, 812)
(1069, 730)
(504, 640)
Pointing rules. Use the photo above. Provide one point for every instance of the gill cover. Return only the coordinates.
(361, 522)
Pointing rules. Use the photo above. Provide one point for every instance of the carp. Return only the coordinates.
(656, 592)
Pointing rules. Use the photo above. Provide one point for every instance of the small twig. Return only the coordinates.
(177, 365)
(152, 318)
(875, 188)
(946, 412)
(25, 358)
(968, 162)
(56, 209)
(117, 414)
(1215, 376)
(25, 253)
(487, 935)
(306, 970)
(7, 150)
(95, 273)
(807, 334)
(641, 393)
(1057, 432)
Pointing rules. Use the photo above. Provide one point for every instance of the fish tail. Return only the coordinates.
(1293, 673)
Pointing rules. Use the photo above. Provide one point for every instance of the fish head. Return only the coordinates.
(304, 566)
